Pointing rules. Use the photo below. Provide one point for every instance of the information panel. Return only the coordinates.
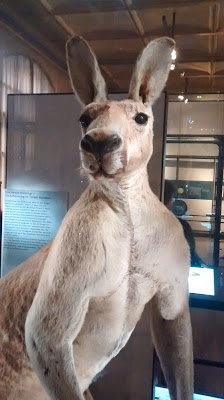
(163, 394)
(31, 220)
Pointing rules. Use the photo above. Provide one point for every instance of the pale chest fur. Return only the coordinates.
(128, 285)
(142, 249)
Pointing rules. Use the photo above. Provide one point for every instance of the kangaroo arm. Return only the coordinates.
(58, 311)
(51, 353)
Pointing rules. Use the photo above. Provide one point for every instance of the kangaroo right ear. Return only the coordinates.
(151, 71)
(84, 72)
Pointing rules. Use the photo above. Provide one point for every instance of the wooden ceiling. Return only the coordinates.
(117, 30)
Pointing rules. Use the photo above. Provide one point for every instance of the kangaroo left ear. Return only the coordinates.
(86, 79)
(151, 71)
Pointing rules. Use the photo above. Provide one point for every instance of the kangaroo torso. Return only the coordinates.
(134, 272)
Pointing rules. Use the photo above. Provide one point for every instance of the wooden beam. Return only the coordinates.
(111, 78)
(213, 22)
(127, 35)
(70, 33)
(131, 61)
(136, 22)
(21, 28)
(199, 76)
(57, 18)
(80, 7)
(99, 35)
(200, 34)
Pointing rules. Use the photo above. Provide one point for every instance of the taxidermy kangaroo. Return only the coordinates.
(74, 304)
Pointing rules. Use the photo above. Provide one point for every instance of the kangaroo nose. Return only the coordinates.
(100, 147)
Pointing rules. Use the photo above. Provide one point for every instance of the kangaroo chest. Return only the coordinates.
(110, 322)
(129, 283)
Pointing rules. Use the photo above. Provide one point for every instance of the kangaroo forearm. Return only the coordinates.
(174, 347)
(53, 364)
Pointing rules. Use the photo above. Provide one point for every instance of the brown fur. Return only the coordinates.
(17, 290)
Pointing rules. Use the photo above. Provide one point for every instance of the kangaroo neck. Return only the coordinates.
(121, 191)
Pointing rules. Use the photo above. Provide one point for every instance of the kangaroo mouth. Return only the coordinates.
(101, 172)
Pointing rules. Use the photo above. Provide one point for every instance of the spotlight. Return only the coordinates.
(173, 54)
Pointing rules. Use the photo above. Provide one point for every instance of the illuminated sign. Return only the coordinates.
(31, 219)
(163, 394)
(201, 281)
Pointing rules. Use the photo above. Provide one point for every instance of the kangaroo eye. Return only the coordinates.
(141, 119)
(85, 120)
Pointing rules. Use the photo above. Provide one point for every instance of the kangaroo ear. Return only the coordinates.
(86, 79)
(151, 71)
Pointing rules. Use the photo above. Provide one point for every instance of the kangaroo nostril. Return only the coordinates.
(87, 144)
(112, 143)
(100, 147)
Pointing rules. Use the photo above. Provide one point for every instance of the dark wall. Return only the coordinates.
(208, 336)
(129, 375)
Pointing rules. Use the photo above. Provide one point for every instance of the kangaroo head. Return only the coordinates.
(117, 135)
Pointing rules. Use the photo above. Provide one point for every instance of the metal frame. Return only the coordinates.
(198, 300)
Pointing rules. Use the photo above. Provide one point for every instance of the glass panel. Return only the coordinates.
(221, 256)
(43, 144)
(194, 161)
(208, 382)
(163, 394)
(196, 118)
(191, 170)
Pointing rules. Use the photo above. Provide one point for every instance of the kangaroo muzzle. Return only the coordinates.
(99, 147)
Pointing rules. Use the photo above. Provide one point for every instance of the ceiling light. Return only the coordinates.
(186, 101)
(172, 67)
(173, 54)
(180, 97)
